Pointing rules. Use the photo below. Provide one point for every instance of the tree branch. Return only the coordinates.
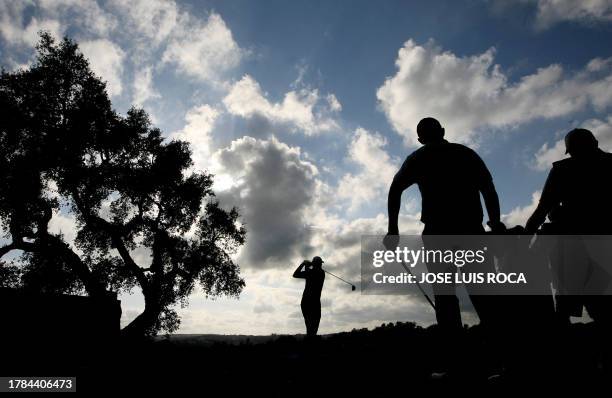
(129, 262)
(51, 245)
(57, 245)
(115, 234)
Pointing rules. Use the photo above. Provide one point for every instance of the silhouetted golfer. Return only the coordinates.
(580, 186)
(311, 298)
(577, 195)
(451, 178)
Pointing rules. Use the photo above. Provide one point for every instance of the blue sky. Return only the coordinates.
(304, 110)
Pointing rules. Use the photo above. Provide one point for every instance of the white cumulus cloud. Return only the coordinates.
(550, 12)
(106, 59)
(375, 169)
(274, 186)
(19, 31)
(471, 94)
(520, 214)
(301, 109)
(87, 14)
(151, 20)
(143, 89)
(202, 49)
(200, 121)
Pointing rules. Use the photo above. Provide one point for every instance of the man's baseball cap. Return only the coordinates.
(317, 259)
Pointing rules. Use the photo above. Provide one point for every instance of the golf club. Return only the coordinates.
(352, 286)
(420, 287)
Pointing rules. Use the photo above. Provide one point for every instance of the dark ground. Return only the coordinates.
(392, 358)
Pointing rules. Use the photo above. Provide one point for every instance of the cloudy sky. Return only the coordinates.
(304, 110)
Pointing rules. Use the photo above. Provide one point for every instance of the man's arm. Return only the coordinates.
(402, 180)
(548, 200)
(299, 272)
(394, 202)
(491, 199)
(489, 194)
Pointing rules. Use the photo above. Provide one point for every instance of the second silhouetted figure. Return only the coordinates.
(578, 191)
(451, 178)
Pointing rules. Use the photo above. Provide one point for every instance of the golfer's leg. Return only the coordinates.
(310, 330)
(448, 317)
(306, 316)
(311, 318)
(448, 314)
(316, 318)
(489, 306)
(600, 309)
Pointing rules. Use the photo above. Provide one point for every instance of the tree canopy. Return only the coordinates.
(144, 217)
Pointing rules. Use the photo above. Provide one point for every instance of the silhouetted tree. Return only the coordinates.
(131, 191)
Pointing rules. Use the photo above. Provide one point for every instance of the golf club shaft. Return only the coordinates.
(419, 286)
(338, 277)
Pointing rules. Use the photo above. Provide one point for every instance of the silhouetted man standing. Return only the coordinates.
(451, 178)
(311, 298)
(578, 191)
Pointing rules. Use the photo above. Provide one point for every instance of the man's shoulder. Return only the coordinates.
(607, 156)
(605, 162)
(445, 149)
(563, 168)
(563, 163)
(463, 152)
(461, 148)
(569, 161)
(416, 154)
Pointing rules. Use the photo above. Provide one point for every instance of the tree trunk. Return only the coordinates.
(142, 324)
